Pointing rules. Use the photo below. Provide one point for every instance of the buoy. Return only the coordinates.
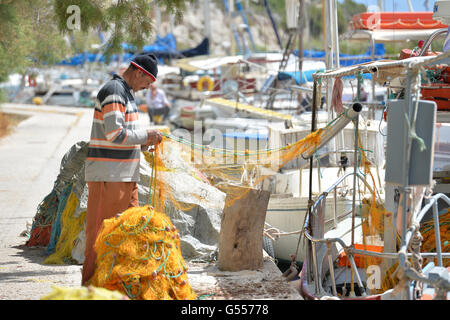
(37, 100)
(200, 83)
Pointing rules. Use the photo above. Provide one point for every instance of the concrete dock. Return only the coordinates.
(30, 159)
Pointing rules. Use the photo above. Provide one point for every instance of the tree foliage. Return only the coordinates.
(28, 36)
(123, 20)
(36, 32)
(346, 9)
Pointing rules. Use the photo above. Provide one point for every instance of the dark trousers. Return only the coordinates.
(157, 112)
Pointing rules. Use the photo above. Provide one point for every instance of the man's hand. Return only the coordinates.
(154, 137)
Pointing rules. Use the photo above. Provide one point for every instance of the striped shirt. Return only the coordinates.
(115, 145)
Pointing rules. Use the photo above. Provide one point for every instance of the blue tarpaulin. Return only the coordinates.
(349, 58)
(162, 48)
(348, 61)
(307, 76)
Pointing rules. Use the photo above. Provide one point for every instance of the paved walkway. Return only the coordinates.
(30, 159)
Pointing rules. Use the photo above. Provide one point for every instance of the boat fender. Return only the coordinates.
(32, 81)
(201, 81)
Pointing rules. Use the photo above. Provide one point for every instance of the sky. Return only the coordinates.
(399, 5)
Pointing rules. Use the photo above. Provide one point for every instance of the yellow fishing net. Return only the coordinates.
(224, 169)
(71, 227)
(429, 237)
(83, 293)
(138, 253)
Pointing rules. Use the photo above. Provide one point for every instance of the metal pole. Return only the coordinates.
(230, 19)
(437, 233)
(313, 128)
(335, 33)
(315, 268)
(300, 39)
(335, 221)
(355, 168)
(311, 248)
(358, 278)
(206, 10)
(410, 5)
(330, 263)
(380, 5)
(334, 129)
(407, 144)
(158, 18)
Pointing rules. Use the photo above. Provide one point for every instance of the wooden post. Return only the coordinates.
(241, 233)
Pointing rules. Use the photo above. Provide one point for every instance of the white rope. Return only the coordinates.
(275, 233)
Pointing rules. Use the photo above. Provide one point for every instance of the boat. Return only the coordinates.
(331, 274)
(335, 258)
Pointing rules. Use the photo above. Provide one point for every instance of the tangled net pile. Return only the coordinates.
(139, 254)
(83, 293)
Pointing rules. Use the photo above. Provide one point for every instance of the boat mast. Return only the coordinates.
(300, 37)
(206, 11)
(380, 5)
(157, 18)
(410, 5)
(331, 37)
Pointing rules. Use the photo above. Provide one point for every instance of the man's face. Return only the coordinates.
(142, 81)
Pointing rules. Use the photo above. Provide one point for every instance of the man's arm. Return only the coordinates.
(154, 138)
(114, 112)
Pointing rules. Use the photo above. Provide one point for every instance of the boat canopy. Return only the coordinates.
(388, 35)
(392, 26)
(207, 62)
(395, 21)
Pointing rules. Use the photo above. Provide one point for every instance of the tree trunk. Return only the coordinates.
(241, 233)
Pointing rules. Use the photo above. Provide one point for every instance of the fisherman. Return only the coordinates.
(157, 103)
(112, 164)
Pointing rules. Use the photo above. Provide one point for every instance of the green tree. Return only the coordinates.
(36, 32)
(124, 20)
(346, 9)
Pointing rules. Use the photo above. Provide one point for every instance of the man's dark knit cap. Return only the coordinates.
(147, 63)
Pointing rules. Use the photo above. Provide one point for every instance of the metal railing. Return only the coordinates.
(350, 251)
(314, 209)
(439, 283)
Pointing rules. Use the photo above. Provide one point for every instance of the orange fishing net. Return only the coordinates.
(222, 168)
(139, 254)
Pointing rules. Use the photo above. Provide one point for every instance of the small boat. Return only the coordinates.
(361, 257)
